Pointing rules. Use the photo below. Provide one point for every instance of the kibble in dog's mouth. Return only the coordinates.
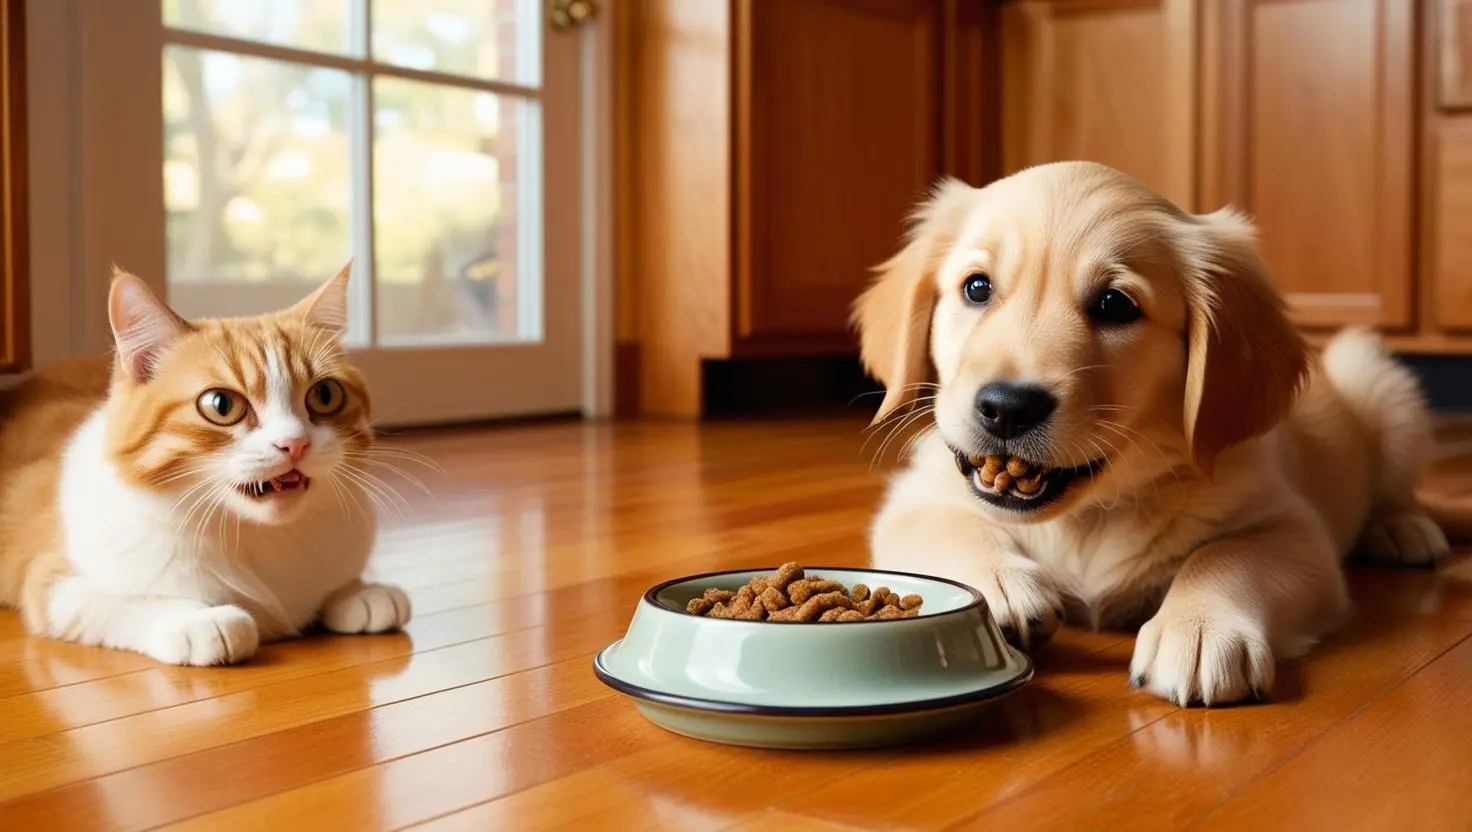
(1016, 484)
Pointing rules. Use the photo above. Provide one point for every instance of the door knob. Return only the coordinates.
(566, 15)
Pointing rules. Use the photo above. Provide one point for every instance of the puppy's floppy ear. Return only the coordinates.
(893, 315)
(1245, 361)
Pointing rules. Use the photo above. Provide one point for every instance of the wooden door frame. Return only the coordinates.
(15, 277)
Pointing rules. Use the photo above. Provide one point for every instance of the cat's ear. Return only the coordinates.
(142, 325)
(327, 308)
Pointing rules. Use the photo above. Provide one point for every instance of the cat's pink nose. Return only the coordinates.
(295, 448)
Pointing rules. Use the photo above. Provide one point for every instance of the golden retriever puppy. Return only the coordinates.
(1129, 429)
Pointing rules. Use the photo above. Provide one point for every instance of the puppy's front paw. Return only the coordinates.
(366, 608)
(1202, 657)
(214, 635)
(1405, 539)
(1025, 604)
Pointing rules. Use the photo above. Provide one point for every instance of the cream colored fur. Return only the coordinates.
(1242, 467)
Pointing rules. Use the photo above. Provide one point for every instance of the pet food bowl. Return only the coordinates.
(814, 685)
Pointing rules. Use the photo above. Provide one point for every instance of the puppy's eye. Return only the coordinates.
(222, 407)
(977, 290)
(1114, 307)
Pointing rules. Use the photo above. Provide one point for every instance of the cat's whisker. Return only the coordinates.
(386, 499)
(345, 494)
(388, 466)
(406, 455)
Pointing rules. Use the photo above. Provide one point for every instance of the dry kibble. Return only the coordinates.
(1003, 481)
(1017, 467)
(772, 599)
(786, 574)
(814, 607)
(801, 591)
(789, 595)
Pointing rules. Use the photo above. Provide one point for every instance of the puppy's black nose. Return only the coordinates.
(1009, 410)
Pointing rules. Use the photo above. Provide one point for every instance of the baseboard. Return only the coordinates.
(788, 387)
(626, 380)
(1446, 379)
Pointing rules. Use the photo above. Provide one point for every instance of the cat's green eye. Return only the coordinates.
(222, 407)
(326, 398)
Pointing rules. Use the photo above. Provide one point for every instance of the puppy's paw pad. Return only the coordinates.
(1409, 539)
(211, 636)
(367, 608)
(1196, 659)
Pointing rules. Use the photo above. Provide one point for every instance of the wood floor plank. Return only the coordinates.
(95, 750)
(529, 554)
(1405, 762)
(224, 775)
(670, 784)
(421, 787)
(1181, 766)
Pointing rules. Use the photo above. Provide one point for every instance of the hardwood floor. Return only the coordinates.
(529, 556)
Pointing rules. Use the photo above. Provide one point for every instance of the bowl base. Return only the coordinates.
(813, 733)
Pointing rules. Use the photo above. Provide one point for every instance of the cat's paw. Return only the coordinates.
(213, 635)
(1195, 657)
(366, 608)
(1405, 539)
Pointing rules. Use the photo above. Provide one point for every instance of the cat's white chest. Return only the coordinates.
(133, 542)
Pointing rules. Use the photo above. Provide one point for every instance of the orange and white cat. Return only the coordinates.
(203, 496)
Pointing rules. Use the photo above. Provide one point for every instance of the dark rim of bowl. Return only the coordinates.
(651, 596)
(889, 708)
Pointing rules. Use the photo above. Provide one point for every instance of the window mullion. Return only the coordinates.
(360, 142)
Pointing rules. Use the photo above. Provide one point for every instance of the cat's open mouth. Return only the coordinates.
(290, 481)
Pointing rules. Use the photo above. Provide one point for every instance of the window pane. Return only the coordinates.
(451, 247)
(257, 182)
(499, 39)
(318, 25)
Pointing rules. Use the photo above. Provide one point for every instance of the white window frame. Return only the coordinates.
(75, 165)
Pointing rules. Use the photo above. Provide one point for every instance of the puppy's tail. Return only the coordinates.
(1386, 399)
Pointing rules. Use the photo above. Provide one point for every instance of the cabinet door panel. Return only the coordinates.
(1319, 150)
(1454, 54)
(838, 135)
(1109, 81)
(1451, 216)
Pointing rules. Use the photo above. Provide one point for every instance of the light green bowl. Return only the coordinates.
(811, 685)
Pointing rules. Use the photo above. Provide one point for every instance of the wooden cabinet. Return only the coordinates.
(775, 149)
(837, 125)
(15, 340)
(1447, 177)
(1299, 112)
(1451, 233)
(1319, 149)
(1452, 54)
(1106, 81)
(778, 143)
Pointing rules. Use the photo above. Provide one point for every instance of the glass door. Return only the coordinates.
(435, 143)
